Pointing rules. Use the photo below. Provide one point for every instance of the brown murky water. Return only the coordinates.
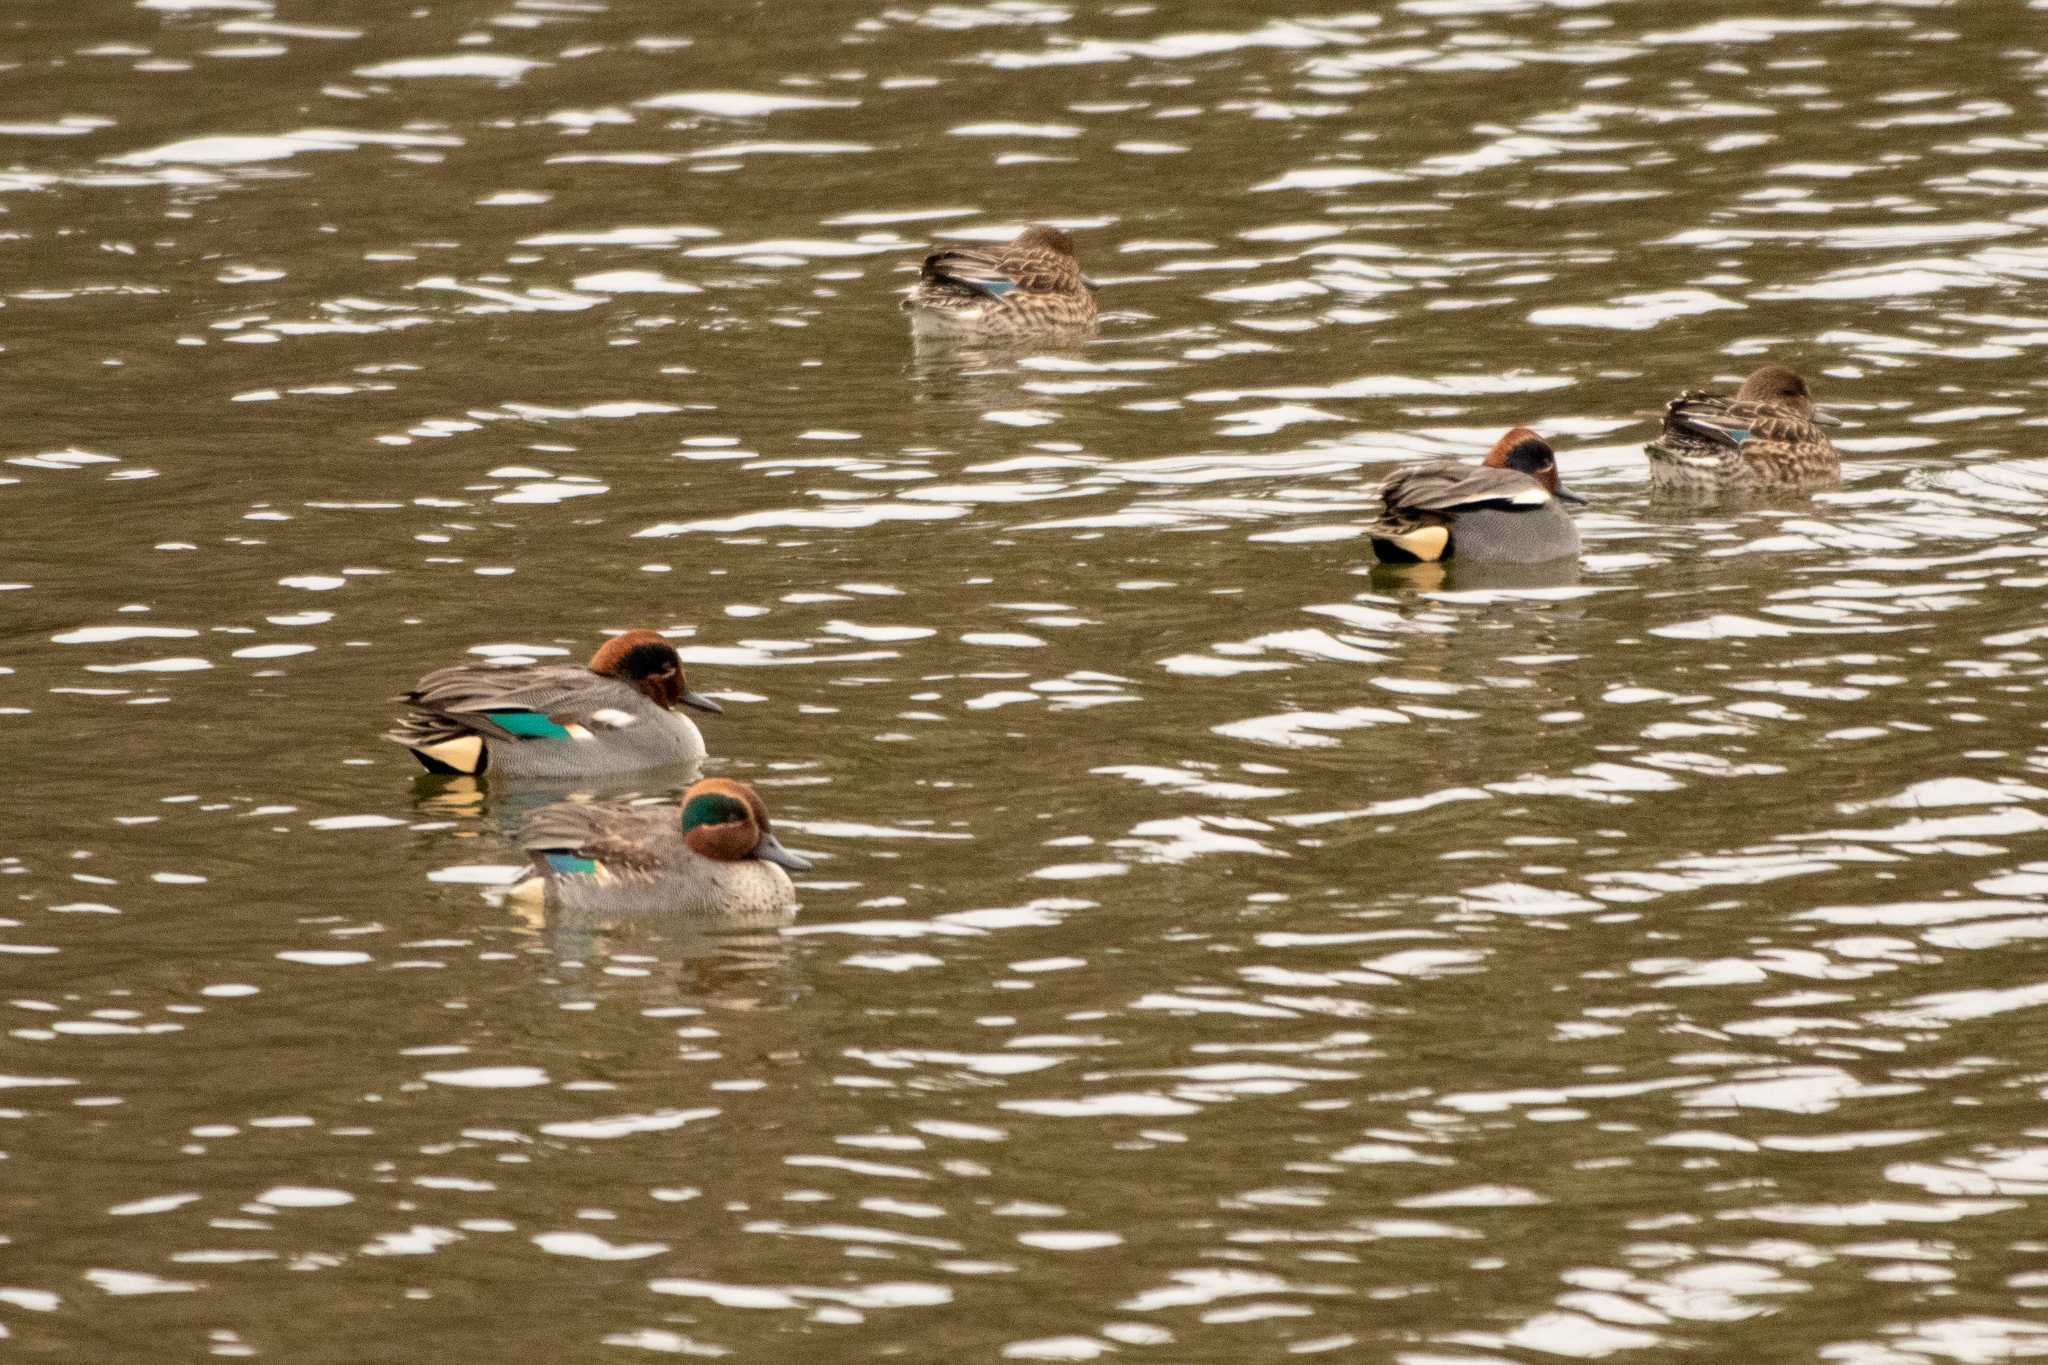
(1218, 952)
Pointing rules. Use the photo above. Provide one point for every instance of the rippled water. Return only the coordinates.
(1218, 951)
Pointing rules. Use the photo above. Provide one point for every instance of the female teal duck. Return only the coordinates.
(719, 861)
(1508, 509)
(1029, 287)
(557, 720)
(1767, 437)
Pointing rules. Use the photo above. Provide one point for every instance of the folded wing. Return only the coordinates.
(574, 838)
(1011, 270)
(549, 702)
(968, 271)
(1448, 486)
(1710, 419)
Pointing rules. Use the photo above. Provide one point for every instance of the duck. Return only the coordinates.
(557, 720)
(716, 857)
(1767, 437)
(1028, 287)
(1507, 509)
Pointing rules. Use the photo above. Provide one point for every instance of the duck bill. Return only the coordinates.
(770, 850)
(701, 702)
(1569, 498)
(1825, 419)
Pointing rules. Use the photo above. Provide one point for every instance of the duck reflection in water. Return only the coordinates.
(656, 959)
(973, 380)
(507, 805)
(1476, 575)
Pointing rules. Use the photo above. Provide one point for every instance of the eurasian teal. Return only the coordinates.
(717, 861)
(557, 720)
(1030, 286)
(1767, 437)
(1508, 509)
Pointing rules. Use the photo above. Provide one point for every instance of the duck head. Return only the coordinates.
(1044, 237)
(1523, 450)
(1778, 386)
(726, 821)
(651, 664)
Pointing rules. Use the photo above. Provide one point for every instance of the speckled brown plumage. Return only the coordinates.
(1030, 285)
(1767, 436)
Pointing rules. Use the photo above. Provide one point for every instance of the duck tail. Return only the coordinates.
(1411, 544)
(443, 749)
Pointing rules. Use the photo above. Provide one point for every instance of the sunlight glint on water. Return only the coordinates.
(1216, 951)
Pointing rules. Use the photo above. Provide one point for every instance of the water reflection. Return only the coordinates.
(654, 961)
(1454, 968)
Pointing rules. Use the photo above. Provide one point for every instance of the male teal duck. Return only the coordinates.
(557, 720)
(1031, 286)
(718, 861)
(1767, 437)
(1508, 509)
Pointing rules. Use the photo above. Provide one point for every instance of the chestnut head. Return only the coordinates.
(1526, 452)
(725, 821)
(650, 663)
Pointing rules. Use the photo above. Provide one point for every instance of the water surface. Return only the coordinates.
(1219, 951)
